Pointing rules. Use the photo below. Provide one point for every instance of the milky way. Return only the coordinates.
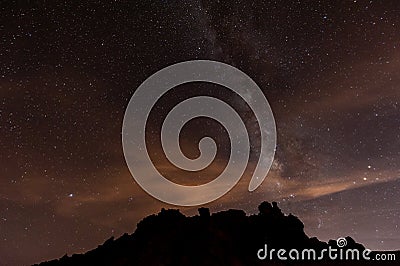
(331, 73)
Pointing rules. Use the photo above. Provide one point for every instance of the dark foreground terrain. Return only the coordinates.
(223, 238)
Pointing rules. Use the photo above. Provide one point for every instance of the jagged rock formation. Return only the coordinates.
(223, 238)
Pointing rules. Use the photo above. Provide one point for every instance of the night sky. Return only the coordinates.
(331, 73)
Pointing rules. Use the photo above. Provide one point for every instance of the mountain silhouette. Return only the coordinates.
(223, 238)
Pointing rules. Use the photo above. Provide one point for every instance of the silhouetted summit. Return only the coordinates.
(224, 238)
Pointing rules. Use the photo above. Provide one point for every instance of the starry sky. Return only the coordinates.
(330, 71)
